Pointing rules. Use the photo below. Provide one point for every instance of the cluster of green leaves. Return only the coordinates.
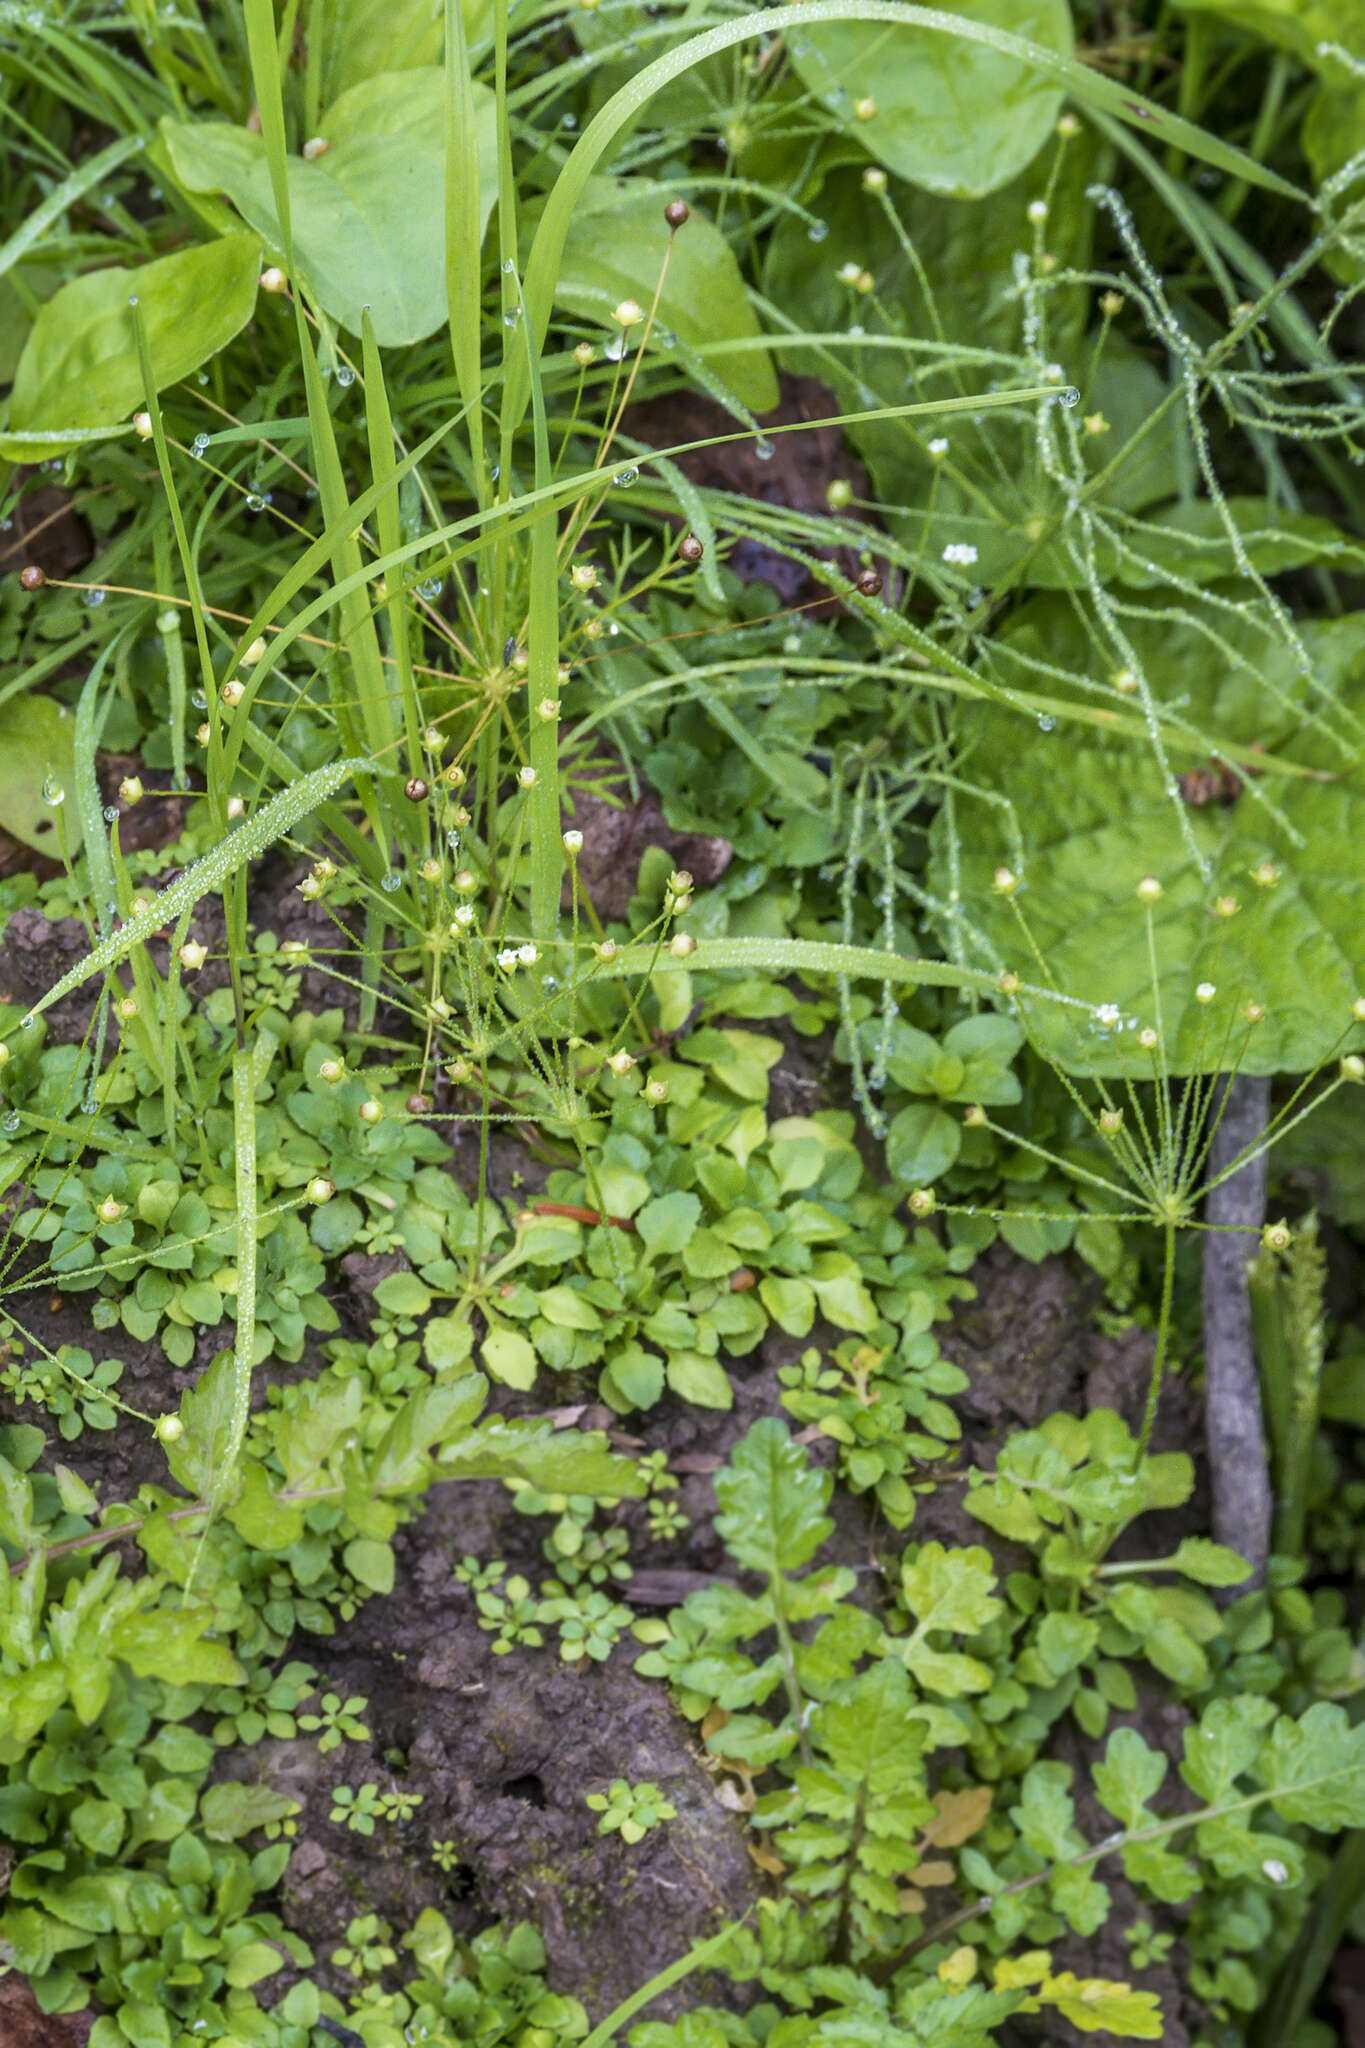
(846, 1711)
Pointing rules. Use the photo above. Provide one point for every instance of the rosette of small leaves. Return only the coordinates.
(266, 1705)
(356, 1808)
(70, 1385)
(589, 1622)
(338, 1720)
(511, 1615)
(870, 1402)
(631, 1811)
(368, 1948)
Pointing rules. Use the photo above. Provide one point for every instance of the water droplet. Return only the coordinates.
(90, 1107)
(764, 449)
(431, 588)
(11, 1122)
(817, 231)
(626, 477)
(199, 701)
(255, 502)
(1071, 396)
(345, 376)
(508, 266)
(95, 596)
(511, 316)
(392, 880)
(199, 444)
(453, 840)
(53, 793)
(569, 121)
(111, 814)
(1046, 721)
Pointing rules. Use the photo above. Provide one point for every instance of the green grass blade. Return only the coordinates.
(82, 180)
(463, 240)
(244, 1078)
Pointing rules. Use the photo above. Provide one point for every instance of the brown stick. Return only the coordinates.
(1238, 1468)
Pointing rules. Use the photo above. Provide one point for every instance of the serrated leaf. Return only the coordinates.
(771, 1501)
(1129, 1776)
(1210, 1564)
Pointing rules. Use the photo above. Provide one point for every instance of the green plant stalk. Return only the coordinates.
(1163, 1337)
(699, 1958)
(1296, 1986)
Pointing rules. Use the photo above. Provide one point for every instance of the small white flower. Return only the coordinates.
(938, 447)
(508, 957)
(142, 425)
(573, 842)
(1108, 1015)
(960, 553)
(527, 776)
(462, 920)
(1205, 992)
(849, 273)
(527, 955)
(1037, 211)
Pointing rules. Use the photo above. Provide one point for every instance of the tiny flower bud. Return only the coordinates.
(1353, 1067)
(583, 576)
(1095, 423)
(923, 1202)
(679, 882)
(548, 708)
(682, 945)
(273, 279)
(1111, 305)
(430, 869)
(127, 1008)
(142, 425)
(585, 354)
(332, 1071)
(418, 1105)
(319, 1189)
(415, 790)
(1266, 875)
(254, 653)
(1004, 881)
(439, 1010)
(434, 740)
(573, 842)
(1205, 992)
(839, 494)
(1226, 906)
(316, 146)
(864, 282)
(324, 869)
(656, 1091)
(620, 1063)
(204, 733)
(677, 213)
(192, 955)
(236, 808)
(370, 1111)
(466, 881)
(310, 888)
(690, 548)
(130, 790)
(169, 1429)
(865, 109)
(607, 950)
(110, 1210)
(1008, 983)
(1149, 890)
(1358, 1009)
(874, 179)
(459, 1071)
(233, 692)
(628, 314)
(1254, 1012)
(1111, 1122)
(870, 583)
(973, 1114)
(1125, 682)
(527, 776)
(1148, 1039)
(1068, 127)
(32, 577)
(849, 273)
(1277, 1237)
(1037, 211)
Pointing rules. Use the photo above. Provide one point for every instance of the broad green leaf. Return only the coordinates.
(229, 1811)
(666, 1223)
(950, 1589)
(1128, 1777)
(79, 377)
(371, 1562)
(430, 1416)
(509, 1358)
(206, 1411)
(771, 1501)
(98, 1824)
(252, 1962)
(367, 213)
(952, 116)
(923, 1141)
(1295, 944)
(1095, 2005)
(35, 752)
(615, 250)
(171, 1646)
(16, 1506)
(790, 1303)
(1211, 1564)
(403, 1294)
(1314, 1768)
(361, 39)
(1064, 1641)
(698, 1378)
(634, 1379)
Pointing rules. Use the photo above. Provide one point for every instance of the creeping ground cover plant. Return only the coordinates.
(681, 726)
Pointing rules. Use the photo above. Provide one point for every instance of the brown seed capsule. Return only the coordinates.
(32, 578)
(870, 583)
(690, 548)
(419, 1105)
(677, 212)
(416, 790)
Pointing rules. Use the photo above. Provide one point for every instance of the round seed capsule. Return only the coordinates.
(415, 790)
(32, 577)
(690, 548)
(419, 1105)
(870, 583)
(677, 213)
